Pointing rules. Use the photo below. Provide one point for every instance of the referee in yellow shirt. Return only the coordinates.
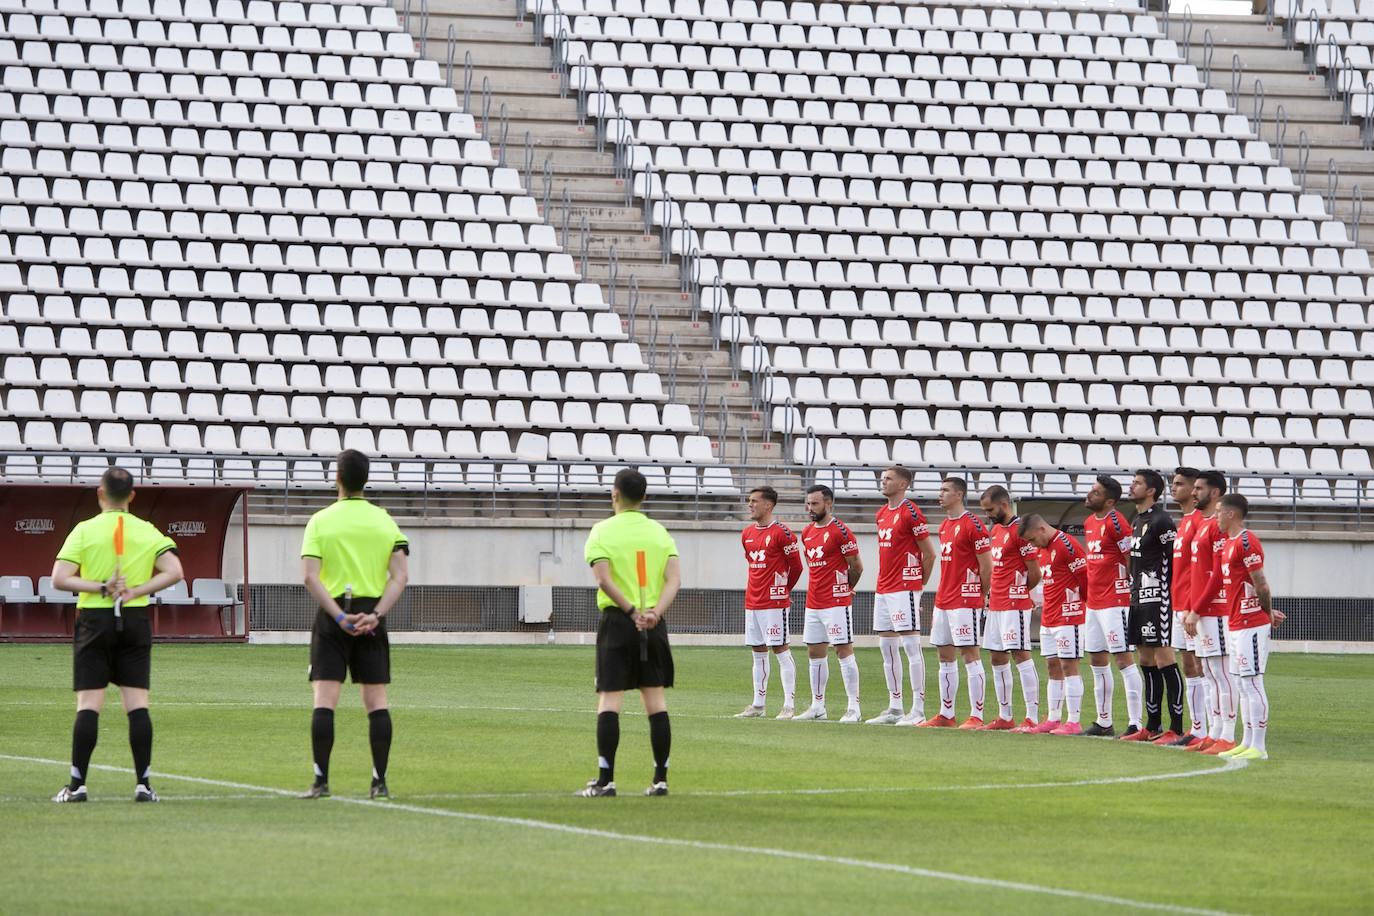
(113, 561)
(637, 574)
(354, 560)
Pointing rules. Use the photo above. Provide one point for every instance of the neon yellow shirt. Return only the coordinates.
(353, 540)
(91, 547)
(618, 540)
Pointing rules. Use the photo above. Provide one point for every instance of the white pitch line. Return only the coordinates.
(1228, 766)
(793, 855)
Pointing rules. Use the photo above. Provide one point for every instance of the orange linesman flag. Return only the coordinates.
(642, 568)
(119, 536)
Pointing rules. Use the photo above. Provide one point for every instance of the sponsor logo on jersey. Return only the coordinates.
(885, 534)
(972, 586)
(33, 525)
(779, 587)
(912, 569)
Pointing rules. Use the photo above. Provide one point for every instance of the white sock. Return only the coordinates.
(1102, 693)
(1030, 688)
(916, 669)
(1257, 703)
(1055, 698)
(1210, 711)
(1197, 705)
(1135, 694)
(949, 686)
(788, 669)
(977, 687)
(1001, 685)
(1246, 721)
(1073, 688)
(820, 673)
(761, 667)
(849, 673)
(890, 647)
(1224, 723)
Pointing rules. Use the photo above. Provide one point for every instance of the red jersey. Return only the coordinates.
(1010, 591)
(1181, 585)
(900, 530)
(1243, 556)
(1204, 565)
(827, 547)
(1065, 567)
(1108, 540)
(962, 541)
(774, 566)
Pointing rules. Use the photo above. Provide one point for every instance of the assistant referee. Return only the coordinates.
(637, 574)
(354, 559)
(115, 556)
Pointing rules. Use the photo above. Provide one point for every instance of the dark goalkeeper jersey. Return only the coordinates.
(1152, 557)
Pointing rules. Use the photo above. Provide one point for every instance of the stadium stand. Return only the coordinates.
(1337, 36)
(240, 236)
(1016, 239)
(1028, 242)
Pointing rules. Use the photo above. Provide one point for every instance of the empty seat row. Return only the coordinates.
(359, 13)
(1105, 400)
(480, 475)
(329, 437)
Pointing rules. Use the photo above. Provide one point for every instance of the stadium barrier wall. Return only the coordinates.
(513, 552)
(457, 613)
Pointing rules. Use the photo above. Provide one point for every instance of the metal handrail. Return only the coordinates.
(1208, 49)
(1333, 180)
(1280, 131)
(452, 49)
(1304, 153)
(505, 129)
(1237, 68)
(467, 81)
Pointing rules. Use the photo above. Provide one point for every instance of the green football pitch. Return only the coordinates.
(765, 816)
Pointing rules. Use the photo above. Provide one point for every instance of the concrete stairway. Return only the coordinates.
(1286, 85)
(543, 133)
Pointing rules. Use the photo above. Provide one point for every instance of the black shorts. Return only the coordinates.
(335, 653)
(1149, 625)
(102, 656)
(618, 662)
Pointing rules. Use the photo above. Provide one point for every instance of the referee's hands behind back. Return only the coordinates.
(365, 623)
(647, 619)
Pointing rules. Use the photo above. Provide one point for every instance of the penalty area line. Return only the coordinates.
(681, 843)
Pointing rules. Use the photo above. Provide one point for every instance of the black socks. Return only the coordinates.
(607, 740)
(661, 739)
(141, 743)
(322, 741)
(85, 732)
(1154, 694)
(1173, 689)
(379, 734)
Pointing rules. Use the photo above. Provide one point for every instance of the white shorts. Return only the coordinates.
(897, 612)
(1213, 636)
(832, 625)
(1061, 642)
(1250, 651)
(1007, 630)
(1178, 637)
(766, 627)
(956, 627)
(1105, 630)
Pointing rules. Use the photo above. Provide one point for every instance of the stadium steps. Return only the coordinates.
(522, 78)
(1286, 81)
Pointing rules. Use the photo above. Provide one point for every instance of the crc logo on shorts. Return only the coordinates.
(1010, 637)
(1207, 640)
(899, 618)
(1063, 643)
(835, 630)
(1147, 630)
(33, 525)
(963, 630)
(186, 529)
(774, 630)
